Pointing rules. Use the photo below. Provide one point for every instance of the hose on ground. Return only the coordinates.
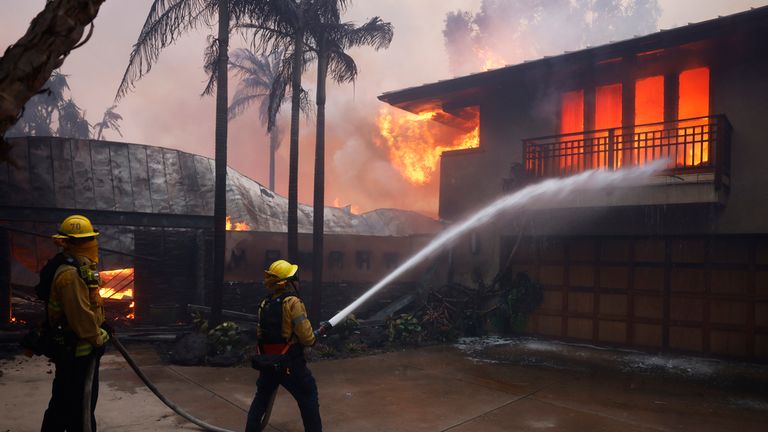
(178, 410)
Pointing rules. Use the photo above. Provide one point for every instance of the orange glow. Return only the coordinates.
(132, 313)
(116, 284)
(693, 102)
(354, 209)
(607, 116)
(571, 120)
(415, 142)
(649, 108)
(489, 58)
(237, 226)
(336, 202)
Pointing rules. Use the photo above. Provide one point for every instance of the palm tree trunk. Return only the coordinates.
(293, 165)
(274, 142)
(318, 213)
(27, 64)
(220, 192)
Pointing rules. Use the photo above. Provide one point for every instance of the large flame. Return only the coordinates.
(415, 142)
(237, 226)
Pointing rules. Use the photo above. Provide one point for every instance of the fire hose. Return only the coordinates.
(177, 409)
(324, 327)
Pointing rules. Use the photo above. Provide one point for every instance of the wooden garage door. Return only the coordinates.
(705, 295)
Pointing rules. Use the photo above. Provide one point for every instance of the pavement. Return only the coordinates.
(433, 389)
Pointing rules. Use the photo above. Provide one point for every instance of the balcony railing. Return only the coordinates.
(695, 145)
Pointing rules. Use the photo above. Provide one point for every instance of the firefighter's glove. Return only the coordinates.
(108, 328)
(103, 337)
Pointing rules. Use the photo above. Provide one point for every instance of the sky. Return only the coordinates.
(166, 108)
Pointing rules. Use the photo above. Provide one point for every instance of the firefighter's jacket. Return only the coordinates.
(295, 327)
(77, 306)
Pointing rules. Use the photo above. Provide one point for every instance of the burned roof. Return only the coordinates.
(127, 183)
(451, 94)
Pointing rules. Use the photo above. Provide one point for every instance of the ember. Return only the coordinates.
(415, 142)
(237, 226)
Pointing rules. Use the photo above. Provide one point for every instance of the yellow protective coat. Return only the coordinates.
(72, 301)
(296, 327)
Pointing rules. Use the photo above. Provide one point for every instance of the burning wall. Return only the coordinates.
(415, 142)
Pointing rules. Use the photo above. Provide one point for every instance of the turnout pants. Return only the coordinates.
(300, 384)
(74, 394)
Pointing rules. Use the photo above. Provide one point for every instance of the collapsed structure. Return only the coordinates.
(154, 208)
(680, 264)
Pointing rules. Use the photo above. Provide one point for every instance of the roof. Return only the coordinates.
(453, 93)
(61, 173)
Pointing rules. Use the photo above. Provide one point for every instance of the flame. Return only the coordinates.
(489, 58)
(237, 226)
(355, 209)
(336, 202)
(116, 284)
(415, 143)
(132, 314)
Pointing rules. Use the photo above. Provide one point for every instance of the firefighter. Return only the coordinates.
(284, 338)
(75, 310)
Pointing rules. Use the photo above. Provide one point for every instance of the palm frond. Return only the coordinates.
(167, 20)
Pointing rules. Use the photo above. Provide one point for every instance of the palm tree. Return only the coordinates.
(39, 112)
(52, 104)
(110, 120)
(51, 36)
(332, 38)
(257, 74)
(72, 122)
(166, 22)
(287, 25)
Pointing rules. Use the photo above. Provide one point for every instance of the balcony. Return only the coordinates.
(697, 150)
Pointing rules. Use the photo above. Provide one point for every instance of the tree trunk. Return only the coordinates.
(27, 65)
(293, 166)
(274, 143)
(318, 209)
(6, 310)
(220, 197)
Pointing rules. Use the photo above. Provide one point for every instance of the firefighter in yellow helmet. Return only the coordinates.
(75, 316)
(284, 334)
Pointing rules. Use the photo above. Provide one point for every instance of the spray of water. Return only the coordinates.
(546, 191)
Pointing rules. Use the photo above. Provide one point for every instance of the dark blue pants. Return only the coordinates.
(74, 394)
(300, 384)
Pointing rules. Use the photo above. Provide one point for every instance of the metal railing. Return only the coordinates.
(695, 145)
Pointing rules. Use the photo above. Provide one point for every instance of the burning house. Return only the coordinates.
(154, 209)
(677, 264)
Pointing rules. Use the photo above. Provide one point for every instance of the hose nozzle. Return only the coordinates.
(323, 329)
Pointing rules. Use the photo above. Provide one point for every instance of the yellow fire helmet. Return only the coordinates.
(280, 272)
(76, 226)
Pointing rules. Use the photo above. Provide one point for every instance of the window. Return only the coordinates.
(335, 260)
(363, 260)
(649, 108)
(571, 121)
(391, 260)
(693, 101)
(608, 113)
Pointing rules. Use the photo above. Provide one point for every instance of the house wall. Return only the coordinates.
(686, 277)
(692, 294)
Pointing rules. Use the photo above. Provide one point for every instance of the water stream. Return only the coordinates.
(544, 192)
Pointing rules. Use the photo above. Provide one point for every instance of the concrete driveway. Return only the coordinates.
(430, 389)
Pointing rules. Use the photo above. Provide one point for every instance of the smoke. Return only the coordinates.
(509, 32)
